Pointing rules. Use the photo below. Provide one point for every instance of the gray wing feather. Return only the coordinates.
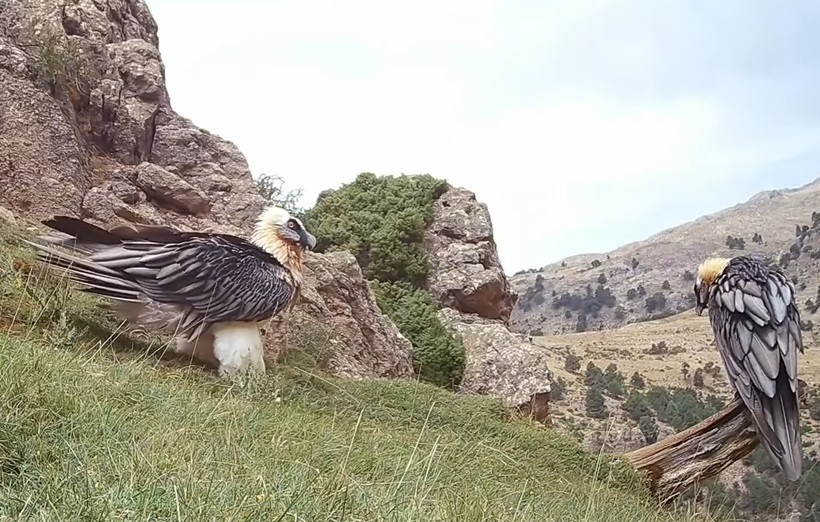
(756, 324)
(220, 280)
(213, 278)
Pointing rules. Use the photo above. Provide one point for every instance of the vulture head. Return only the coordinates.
(284, 237)
(708, 273)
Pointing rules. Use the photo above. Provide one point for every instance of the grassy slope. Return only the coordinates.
(95, 428)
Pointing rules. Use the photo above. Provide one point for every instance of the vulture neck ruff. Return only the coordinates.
(266, 236)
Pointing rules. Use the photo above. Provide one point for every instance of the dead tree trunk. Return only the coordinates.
(691, 457)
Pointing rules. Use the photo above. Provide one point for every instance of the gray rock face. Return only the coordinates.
(465, 272)
(468, 281)
(85, 88)
(502, 364)
(338, 320)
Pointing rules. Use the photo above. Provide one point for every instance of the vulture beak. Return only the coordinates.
(307, 240)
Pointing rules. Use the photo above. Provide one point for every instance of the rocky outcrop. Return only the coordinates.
(468, 281)
(465, 272)
(338, 323)
(87, 129)
(502, 364)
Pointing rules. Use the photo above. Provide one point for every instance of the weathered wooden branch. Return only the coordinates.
(692, 457)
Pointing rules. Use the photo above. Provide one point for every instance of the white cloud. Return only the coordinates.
(484, 93)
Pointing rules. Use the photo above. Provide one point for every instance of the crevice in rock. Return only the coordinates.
(150, 132)
(451, 233)
(484, 260)
(71, 26)
(537, 407)
(119, 21)
(104, 139)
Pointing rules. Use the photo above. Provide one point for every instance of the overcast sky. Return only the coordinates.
(583, 124)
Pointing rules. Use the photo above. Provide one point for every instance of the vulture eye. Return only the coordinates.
(291, 224)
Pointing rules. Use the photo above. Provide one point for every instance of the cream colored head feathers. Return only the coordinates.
(710, 270)
(284, 237)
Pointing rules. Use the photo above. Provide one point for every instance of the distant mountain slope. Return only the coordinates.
(653, 278)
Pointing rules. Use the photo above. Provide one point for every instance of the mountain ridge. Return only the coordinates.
(561, 296)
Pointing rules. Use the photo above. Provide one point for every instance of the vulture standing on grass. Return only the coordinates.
(757, 329)
(211, 291)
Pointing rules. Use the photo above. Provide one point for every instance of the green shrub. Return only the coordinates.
(439, 356)
(381, 220)
(682, 407)
(637, 406)
(614, 381)
(593, 376)
(637, 381)
(572, 363)
(649, 428)
(594, 402)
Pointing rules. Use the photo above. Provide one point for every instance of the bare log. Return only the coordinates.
(693, 456)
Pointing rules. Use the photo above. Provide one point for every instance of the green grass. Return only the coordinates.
(98, 427)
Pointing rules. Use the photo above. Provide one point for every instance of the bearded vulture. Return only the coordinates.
(756, 323)
(210, 291)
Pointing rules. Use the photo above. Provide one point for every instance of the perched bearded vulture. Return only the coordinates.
(757, 328)
(209, 290)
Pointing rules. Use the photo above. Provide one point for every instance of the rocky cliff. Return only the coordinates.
(653, 278)
(467, 279)
(465, 271)
(87, 129)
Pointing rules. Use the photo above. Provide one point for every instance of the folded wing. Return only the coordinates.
(212, 277)
(756, 326)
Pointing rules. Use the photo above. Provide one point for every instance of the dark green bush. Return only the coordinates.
(614, 381)
(637, 406)
(572, 363)
(594, 402)
(594, 375)
(649, 428)
(381, 220)
(681, 407)
(439, 356)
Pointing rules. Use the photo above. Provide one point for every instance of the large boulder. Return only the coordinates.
(465, 272)
(502, 364)
(88, 114)
(468, 281)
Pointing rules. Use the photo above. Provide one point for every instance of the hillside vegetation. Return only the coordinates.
(381, 220)
(96, 425)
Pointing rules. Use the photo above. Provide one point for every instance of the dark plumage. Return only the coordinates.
(756, 323)
(194, 285)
